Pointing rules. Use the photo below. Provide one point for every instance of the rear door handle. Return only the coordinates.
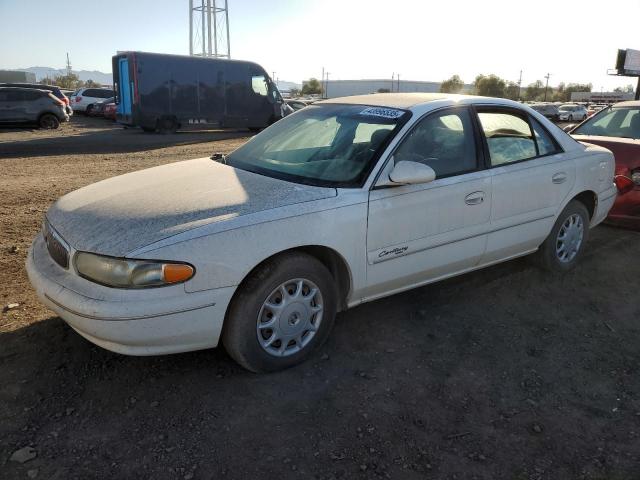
(560, 177)
(474, 198)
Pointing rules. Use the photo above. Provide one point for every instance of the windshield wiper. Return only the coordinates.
(219, 157)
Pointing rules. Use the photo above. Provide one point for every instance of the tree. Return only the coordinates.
(91, 84)
(452, 85)
(294, 92)
(535, 91)
(626, 89)
(311, 87)
(70, 81)
(383, 90)
(490, 86)
(565, 95)
(512, 91)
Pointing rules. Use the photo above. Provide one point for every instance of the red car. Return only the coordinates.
(109, 111)
(618, 129)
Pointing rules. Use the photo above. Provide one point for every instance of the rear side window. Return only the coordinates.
(32, 95)
(512, 137)
(444, 141)
(546, 143)
(259, 85)
(509, 137)
(11, 96)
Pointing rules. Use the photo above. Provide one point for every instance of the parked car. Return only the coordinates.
(57, 92)
(97, 109)
(110, 111)
(571, 112)
(84, 99)
(618, 129)
(160, 94)
(349, 200)
(549, 110)
(31, 106)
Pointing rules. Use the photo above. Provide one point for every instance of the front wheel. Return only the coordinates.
(282, 312)
(565, 244)
(571, 118)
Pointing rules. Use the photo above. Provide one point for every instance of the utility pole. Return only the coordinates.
(326, 93)
(638, 90)
(398, 90)
(519, 85)
(68, 65)
(546, 86)
(393, 76)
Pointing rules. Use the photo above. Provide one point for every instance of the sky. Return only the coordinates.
(574, 41)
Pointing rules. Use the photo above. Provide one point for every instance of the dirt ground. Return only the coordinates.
(507, 373)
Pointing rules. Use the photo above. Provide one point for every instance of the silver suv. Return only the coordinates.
(28, 105)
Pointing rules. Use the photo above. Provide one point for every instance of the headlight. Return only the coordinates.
(125, 273)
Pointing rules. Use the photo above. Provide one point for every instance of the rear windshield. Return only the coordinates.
(621, 122)
(323, 145)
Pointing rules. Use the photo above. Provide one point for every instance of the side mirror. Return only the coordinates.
(410, 173)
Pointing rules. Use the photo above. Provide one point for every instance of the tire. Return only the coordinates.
(247, 335)
(48, 121)
(167, 125)
(254, 129)
(148, 129)
(571, 118)
(550, 253)
(88, 110)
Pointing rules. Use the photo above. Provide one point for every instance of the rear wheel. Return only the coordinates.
(283, 311)
(88, 110)
(565, 244)
(49, 121)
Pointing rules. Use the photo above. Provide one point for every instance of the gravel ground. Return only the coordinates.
(505, 373)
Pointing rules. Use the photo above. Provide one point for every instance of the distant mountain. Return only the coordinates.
(286, 86)
(84, 75)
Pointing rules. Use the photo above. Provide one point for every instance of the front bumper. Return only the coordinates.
(133, 322)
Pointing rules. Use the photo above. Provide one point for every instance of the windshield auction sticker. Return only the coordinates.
(382, 112)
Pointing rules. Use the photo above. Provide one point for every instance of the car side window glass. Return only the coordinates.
(444, 141)
(259, 85)
(509, 137)
(546, 145)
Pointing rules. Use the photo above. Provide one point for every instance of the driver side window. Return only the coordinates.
(444, 141)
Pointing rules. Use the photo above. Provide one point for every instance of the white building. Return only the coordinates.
(345, 88)
(601, 97)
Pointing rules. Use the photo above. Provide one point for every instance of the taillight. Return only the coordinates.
(635, 176)
(78, 99)
(624, 184)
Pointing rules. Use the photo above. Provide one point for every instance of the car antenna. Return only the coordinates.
(219, 157)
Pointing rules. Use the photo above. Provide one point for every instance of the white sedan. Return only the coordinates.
(343, 202)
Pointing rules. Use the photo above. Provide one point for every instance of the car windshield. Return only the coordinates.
(613, 122)
(323, 145)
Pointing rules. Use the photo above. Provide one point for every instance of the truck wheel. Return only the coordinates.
(49, 121)
(167, 125)
(281, 314)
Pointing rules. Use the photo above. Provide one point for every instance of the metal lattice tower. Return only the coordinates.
(209, 28)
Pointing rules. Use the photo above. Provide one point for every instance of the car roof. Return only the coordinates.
(630, 103)
(24, 89)
(410, 100)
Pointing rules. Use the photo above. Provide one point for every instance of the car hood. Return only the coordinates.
(121, 214)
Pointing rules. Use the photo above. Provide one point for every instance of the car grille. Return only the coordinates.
(56, 246)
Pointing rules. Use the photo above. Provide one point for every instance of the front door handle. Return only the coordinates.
(475, 198)
(560, 177)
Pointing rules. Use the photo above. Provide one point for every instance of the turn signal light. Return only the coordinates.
(624, 184)
(173, 273)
